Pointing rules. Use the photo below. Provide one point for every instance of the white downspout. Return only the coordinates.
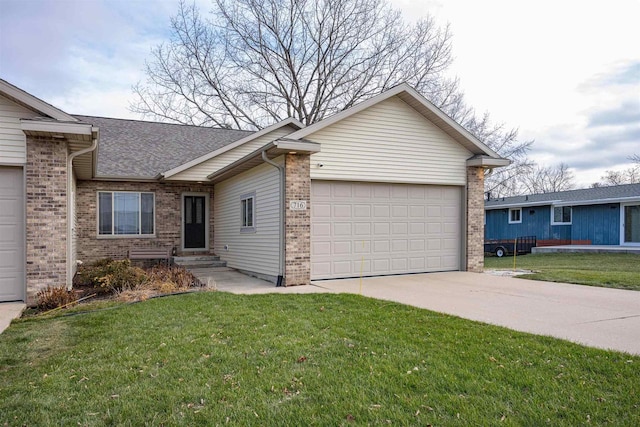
(281, 216)
(70, 206)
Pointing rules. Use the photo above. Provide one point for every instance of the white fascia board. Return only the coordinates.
(299, 146)
(600, 201)
(521, 205)
(287, 122)
(488, 162)
(58, 127)
(35, 103)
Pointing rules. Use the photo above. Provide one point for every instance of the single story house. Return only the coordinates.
(389, 186)
(589, 216)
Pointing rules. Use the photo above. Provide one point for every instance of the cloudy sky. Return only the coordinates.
(566, 73)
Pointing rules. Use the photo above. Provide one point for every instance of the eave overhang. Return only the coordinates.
(273, 149)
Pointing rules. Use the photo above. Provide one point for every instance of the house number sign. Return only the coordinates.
(298, 205)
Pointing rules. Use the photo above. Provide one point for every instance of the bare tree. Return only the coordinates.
(257, 61)
(630, 175)
(547, 179)
(253, 62)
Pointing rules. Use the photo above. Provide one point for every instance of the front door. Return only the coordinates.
(630, 224)
(194, 222)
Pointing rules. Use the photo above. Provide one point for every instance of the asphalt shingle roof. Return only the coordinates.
(134, 148)
(577, 196)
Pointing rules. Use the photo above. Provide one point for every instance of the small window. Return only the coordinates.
(126, 213)
(561, 215)
(515, 216)
(247, 214)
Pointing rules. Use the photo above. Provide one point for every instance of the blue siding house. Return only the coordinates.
(590, 216)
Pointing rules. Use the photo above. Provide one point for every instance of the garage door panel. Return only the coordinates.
(416, 245)
(399, 245)
(341, 211)
(320, 248)
(321, 210)
(341, 229)
(381, 246)
(342, 191)
(381, 228)
(11, 235)
(362, 211)
(321, 229)
(400, 192)
(342, 248)
(362, 229)
(416, 211)
(399, 211)
(377, 229)
(12, 264)
(342, 268)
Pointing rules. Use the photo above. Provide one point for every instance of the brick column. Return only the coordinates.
(475, 219)
(297, 223)
(46, 225)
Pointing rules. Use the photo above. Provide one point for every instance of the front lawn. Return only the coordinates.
(321, 359)
(608, 270)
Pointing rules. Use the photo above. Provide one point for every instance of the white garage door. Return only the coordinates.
(11, 234)
(377, 229)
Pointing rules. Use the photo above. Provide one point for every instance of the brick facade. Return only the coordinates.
(46, 215)
(168, 218)
(297, 223)
(475, 219)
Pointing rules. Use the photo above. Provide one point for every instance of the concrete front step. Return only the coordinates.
(207, 261)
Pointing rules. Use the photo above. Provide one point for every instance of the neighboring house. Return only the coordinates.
(389, 186)
(590, 216)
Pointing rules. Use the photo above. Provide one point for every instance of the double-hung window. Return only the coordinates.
(561, 215)
(126, 213)
(515, 216)
(247, 212)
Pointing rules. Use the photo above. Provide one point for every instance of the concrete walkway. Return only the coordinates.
(598, 317)
(8, 312)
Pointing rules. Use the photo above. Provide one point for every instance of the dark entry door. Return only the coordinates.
(194, 222)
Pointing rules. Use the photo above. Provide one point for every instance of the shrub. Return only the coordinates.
(180, 277)
(54, 297)
(111, 275)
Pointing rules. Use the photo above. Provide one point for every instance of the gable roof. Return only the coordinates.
(27, 100)
(143, 150)
(418, 102)
(584, 196)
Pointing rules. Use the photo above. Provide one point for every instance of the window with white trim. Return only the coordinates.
(247, 212)
(515, 216)
(561, 215)
(126, 213)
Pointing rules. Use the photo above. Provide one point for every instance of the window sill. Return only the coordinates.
(126, 236)
(247, 230)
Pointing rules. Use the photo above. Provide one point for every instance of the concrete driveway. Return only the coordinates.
(598, 317)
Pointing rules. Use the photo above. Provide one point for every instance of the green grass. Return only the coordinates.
(216, 358)
(608, 270)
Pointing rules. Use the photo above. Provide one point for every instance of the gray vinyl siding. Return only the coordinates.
(258, 251)
(200, 171)
(388, 142)
(13, 142)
